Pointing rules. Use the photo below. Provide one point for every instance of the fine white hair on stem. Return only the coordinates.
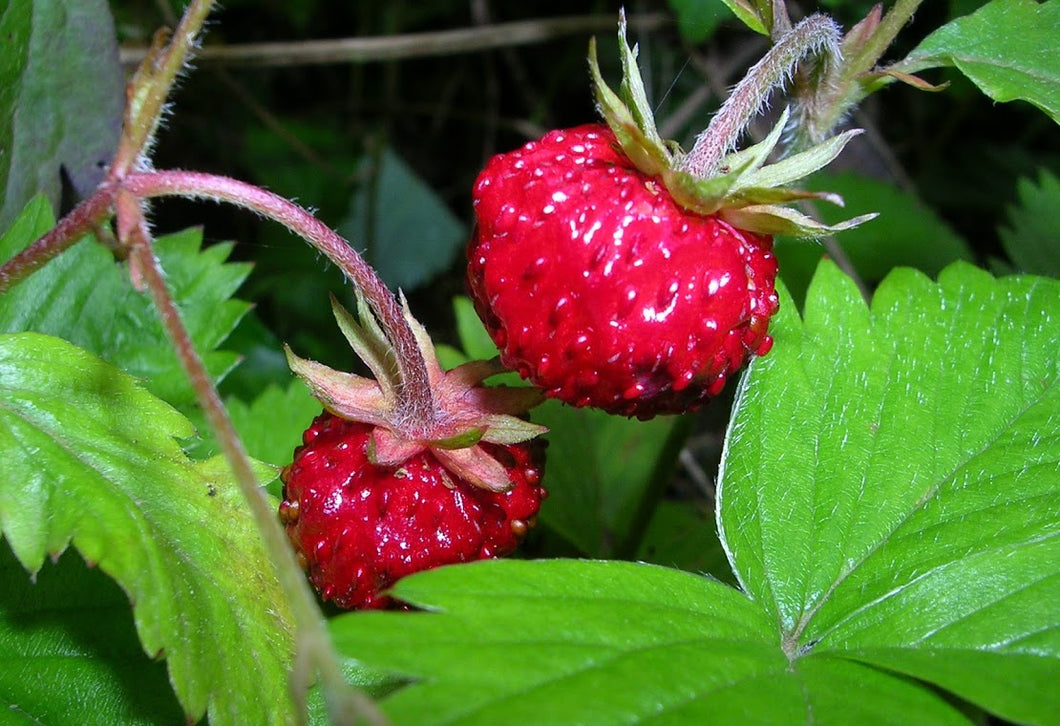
(817, 35)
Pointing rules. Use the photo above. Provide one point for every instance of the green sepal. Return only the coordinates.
(754, 157)
(368, 342)
(462, 440)
(629, 116)
(799, 166)
(771, 219)
(506, 429)
(746, 190)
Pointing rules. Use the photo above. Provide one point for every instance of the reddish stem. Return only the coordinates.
(81, 221)
(416, 397)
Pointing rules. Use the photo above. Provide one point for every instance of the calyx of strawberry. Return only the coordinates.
(465, 413)
(741, 187)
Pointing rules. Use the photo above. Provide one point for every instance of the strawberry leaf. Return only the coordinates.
(60, 99)
(1006, 47)
(87, 298)
(889, 491)
(566, 641)
(1032, 238)
(755, 14)
(92, 460)
(67, 640)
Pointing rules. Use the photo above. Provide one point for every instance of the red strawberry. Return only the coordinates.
(610, 275)
(599, 288)
(386, 483)
(359, 526)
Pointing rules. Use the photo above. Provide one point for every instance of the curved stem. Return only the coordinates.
(415, 398)
(815, 34)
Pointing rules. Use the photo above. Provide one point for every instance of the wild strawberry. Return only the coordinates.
(383, 487)
(611, 276)
(599, 288)
(359, 526)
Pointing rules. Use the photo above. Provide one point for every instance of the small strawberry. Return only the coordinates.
(611, 276)
(381, 489)
(360, 526)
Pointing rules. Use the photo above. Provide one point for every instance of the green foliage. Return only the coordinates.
(682, 534)
(889, 491)
(87, 298)
(697, 19)
(907, 233)
(1032, 237)
(888, 510)
(60, 99)
(93, 461)
(411, 235)
(67, 640)
(271, 425)
(1007, 47)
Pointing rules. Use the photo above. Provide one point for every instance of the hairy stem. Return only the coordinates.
(150, 87)
(313, 638)
(815, 34)
(859, 60)
(81, 221)
(416, 398)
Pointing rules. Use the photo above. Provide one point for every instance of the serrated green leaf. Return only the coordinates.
(60, 99)
(889, 487)
(1007, 48)
(907, 233)
(585, 642)
(271, 425)
(67, 640)
(1032, 237)
(410, 234)
(86, 297)
(92, 459)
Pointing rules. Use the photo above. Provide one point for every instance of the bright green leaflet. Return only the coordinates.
(271, 425)
(92, 459)
(66, 641)
(86, 297)
(586, 642)
(890, 487)
(1032, 237)
(61, 99)
(1008, 48)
